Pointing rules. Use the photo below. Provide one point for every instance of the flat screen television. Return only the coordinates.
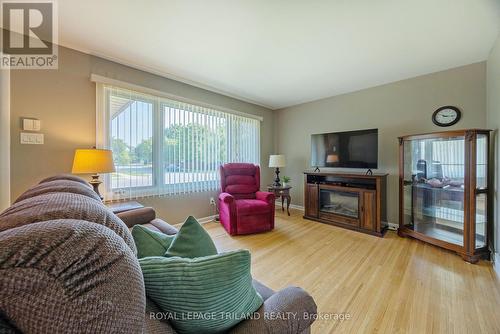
(350, 149)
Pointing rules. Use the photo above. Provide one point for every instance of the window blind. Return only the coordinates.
(165, 147)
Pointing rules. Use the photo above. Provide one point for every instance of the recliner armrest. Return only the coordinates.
(288, 311)
(226, 198)
(265, 196)
(137, 216)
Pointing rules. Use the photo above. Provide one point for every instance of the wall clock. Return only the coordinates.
(446, 116)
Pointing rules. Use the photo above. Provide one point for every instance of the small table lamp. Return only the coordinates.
(93, 161)
(277, 161)
(332, 158)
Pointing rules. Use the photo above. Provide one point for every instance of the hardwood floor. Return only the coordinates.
(386, 285)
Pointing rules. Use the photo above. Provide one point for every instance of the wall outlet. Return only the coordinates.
(32, 138)
(212, 201)
(392, 226)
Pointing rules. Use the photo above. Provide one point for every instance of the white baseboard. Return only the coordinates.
(208, 219)
(496, 263)
(297, 207)
(292, 206)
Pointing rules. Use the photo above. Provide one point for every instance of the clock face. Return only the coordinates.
(446, 116)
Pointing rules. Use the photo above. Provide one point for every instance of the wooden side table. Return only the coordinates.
(284, 193)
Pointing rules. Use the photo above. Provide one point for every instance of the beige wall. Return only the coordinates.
(64, 100)
(4, 139)
(396, 109)
(493, 120)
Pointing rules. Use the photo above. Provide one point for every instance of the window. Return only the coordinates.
(163, 147)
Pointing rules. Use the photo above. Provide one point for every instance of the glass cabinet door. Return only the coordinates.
(481, 189)
(433, 187)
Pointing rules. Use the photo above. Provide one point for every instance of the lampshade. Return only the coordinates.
(277, 160)
(332, 158)
(93, 161)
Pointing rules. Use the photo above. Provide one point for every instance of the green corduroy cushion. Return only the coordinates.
(149, 242)
(203, 295)
(191, 241)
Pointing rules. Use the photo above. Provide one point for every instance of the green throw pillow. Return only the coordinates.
(191, 241)
(203, 295)
(149, 242)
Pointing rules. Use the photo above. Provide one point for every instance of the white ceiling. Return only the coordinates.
(283, 52)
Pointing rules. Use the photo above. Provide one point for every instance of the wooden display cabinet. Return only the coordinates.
(443, 190)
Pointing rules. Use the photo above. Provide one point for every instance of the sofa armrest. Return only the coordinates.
(162, 226)
(69, 276)
(137, 216)
(226, 198)
(288, 311)
(265, 196)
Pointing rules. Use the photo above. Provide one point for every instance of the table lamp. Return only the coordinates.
(332, 158)
(277, 161)
(93, 161)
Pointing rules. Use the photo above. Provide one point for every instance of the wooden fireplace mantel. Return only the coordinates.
(367, 191)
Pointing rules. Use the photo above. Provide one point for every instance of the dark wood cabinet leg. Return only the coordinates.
(282, 203)
(470, 258)
(401, 233)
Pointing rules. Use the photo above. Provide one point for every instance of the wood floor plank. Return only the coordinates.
(386, 285)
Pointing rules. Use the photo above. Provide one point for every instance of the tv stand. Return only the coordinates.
(351, 200)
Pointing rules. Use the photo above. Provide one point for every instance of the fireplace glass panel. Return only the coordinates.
(339, 202)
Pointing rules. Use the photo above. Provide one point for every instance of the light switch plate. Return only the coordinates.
(27, 124)
(30, 124)
(32, 138)
(36, 125)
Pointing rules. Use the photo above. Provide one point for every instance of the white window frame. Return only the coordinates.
(103, 135)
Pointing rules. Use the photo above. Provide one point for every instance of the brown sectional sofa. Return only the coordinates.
(68, 265)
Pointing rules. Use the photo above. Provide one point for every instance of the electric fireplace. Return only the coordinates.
(339, 202)
(350, 200)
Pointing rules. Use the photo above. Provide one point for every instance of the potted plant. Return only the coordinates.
(286, 180)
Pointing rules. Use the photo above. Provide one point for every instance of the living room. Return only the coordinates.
(394, 106)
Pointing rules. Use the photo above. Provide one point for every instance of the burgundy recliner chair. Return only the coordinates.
(243, 209)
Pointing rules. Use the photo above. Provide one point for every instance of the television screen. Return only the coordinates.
(351, 149)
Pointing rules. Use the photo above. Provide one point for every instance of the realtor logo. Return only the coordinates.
(29, 35)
